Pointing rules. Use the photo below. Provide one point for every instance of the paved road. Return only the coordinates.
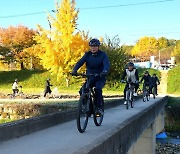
(65, 139)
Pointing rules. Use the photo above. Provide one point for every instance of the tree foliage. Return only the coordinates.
(118, 58)
(14, 40)
(176, 51)
(145, 47)
(61, 46)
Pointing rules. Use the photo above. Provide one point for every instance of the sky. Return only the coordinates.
(129, 19)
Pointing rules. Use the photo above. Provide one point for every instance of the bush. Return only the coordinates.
(173, 81)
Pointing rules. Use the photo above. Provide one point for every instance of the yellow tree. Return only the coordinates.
(145, 47)
(62, 45)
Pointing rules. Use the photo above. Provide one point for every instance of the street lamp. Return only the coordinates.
(160, 55)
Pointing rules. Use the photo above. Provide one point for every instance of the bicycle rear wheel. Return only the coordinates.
(82, 113)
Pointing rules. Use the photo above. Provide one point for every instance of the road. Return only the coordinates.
(65, 139)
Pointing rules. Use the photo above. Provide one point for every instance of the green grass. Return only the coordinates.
(173, 101)
(172, 119)
(173, 81)
(5, 121)
(33, 82)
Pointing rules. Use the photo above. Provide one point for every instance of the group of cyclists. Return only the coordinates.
(97, 62)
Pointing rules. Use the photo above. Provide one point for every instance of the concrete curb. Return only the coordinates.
(27, 126)
(119, 139)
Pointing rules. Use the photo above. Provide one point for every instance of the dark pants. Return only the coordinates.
(155, 88)
(47, 90)
(136, 86)
(98, 83)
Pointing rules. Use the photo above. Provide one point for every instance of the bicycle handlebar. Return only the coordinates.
(85, 75)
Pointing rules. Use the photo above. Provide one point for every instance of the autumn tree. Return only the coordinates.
(62, 46)
(15, 40)
(145, 47)
(176, 51)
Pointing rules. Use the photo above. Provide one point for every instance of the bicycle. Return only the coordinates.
(129, 94)
(86, 106)
(146, 95)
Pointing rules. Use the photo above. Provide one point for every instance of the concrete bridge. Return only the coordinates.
(123, 131)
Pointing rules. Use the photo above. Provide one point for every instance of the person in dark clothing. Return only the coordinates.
(154, 83)
(147, 80)
(96, 63)
(47, 87)
(131, 74)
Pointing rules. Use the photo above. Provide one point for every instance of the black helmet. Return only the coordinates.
(146, 72)
(94, 42)
(130, 64)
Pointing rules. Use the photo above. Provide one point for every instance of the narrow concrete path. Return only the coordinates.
(65, 139)
(162, 88)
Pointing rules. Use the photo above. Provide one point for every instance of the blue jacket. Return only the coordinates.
(95, 63)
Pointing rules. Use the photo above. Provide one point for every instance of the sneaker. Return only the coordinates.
(135, 94)
(125, 102)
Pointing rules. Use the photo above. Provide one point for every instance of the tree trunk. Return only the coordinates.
(67, 82)
(22, 66)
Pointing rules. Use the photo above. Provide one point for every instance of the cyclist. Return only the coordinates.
(15, 87)
(154, 82)
(131, 73)
(147, 80)
(96, 63)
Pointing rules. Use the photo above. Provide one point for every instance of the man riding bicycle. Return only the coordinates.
(130, 73)
(96, 63)
(147, 80)
(154, 82)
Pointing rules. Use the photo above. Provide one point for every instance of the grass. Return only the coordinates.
(173, 101)
(172, 119)
(173, 81)
(33, 82)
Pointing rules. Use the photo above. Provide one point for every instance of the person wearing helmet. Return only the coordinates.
(131, 73)
(97, 62)
(47, 87)
(154, 82)
(15, 87)
(147, 80)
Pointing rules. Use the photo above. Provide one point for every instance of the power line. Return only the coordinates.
(154, 34)
(89, 8)
(122, 5)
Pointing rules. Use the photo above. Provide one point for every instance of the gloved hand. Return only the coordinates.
(104, 73)
(74, 73)
(136, 81)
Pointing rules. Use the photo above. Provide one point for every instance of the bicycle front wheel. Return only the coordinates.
(147, 96)
(144, 96)
(154, 95)
(82, 113)
(128, 101)
(98, 119)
